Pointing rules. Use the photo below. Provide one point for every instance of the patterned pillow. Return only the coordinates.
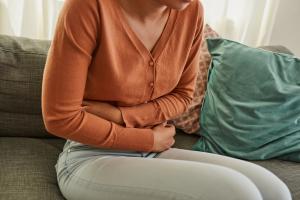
(188, 121)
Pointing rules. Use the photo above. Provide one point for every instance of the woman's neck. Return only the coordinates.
(144, 10)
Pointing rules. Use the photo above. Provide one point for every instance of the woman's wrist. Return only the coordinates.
(104, 110)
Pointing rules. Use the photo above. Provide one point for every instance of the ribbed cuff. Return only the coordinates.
(138, 139)
(140, 115)
(126, 117)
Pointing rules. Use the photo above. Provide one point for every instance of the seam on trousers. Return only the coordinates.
(157, 155)
(112, 188)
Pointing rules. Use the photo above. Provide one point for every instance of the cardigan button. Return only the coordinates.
(151, 84)
(151, 63)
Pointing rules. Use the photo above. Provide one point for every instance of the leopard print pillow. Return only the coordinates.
(188, 121)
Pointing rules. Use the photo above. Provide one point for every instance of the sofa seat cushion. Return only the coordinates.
(27, 168)
(28, 172)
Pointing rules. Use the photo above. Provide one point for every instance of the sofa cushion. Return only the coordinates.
(251, 108)
(27, 168)
(22, 62)
(188, 120)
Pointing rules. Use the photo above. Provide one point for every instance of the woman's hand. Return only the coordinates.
(163, 133)
(104, 110)
(163, 137)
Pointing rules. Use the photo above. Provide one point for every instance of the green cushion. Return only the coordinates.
(252, 103)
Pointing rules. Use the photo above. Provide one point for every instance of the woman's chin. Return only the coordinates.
(181, 5)
(176, 4)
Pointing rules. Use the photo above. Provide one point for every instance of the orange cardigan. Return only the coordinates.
(95, 55)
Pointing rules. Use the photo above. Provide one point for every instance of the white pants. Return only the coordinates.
(175, 174)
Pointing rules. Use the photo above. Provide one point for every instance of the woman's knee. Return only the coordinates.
(231, 184)
(271, 186)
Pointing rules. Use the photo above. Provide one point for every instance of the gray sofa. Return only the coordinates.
(28, 153)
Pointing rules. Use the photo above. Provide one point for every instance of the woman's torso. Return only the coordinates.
(124, 72)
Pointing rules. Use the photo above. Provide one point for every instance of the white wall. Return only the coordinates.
(286, 30)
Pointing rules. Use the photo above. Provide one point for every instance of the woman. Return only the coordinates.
(116, 72)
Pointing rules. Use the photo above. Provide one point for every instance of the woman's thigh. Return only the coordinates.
(90, 176)
(270, 186)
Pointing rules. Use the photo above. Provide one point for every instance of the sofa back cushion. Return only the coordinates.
(22, 62)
